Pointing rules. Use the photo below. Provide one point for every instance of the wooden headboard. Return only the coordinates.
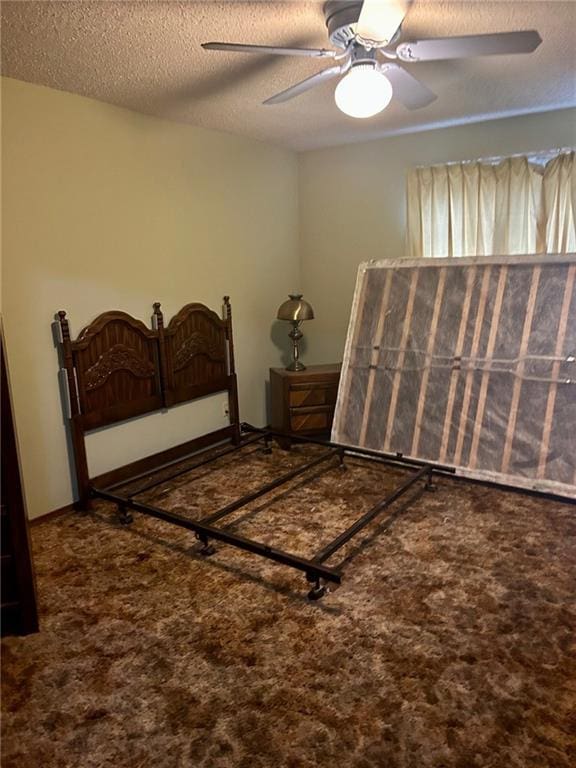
(118, 368)
(114, 368)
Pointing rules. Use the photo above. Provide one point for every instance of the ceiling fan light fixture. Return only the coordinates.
(363, 92)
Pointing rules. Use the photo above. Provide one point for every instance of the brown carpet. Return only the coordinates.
(450, 644)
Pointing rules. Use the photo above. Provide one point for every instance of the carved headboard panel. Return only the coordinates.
(115, 361)
(196, 348)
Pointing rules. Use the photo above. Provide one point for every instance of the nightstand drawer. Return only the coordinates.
(303, 402)
(303, 395)
(309, 419)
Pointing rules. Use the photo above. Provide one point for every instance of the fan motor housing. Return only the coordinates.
(341, 18)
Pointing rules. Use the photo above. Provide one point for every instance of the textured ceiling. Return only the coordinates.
(146, 56)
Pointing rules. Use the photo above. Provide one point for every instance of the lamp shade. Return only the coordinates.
(295, 309)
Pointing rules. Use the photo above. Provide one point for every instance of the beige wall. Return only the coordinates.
(108, 209)
(105, 208)
(352, 205)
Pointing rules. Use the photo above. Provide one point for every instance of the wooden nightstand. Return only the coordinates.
(303, 402)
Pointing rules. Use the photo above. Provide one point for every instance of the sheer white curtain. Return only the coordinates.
(559, 204)
(515, 206)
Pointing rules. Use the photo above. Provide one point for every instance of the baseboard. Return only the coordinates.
(52, 515)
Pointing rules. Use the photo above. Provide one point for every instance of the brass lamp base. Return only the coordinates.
(295, 334)
(296, 365)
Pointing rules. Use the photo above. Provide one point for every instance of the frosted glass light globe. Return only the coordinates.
(363, 92)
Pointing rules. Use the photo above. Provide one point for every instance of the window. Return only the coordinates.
(516, 205)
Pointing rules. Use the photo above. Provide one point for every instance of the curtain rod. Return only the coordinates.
(538, 157)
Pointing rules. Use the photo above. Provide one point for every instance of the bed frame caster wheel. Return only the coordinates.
(124, 516)
(318, 590)
(267, 449)
(206, 549)
(429, 485)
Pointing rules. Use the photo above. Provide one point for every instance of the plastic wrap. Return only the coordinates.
(469, 363)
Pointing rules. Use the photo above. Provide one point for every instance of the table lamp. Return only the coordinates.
(294, 311)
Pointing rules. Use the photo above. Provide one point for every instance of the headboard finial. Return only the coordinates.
(158, 315)
(64, 327)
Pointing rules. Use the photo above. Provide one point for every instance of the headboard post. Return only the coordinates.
(233, 391)
(159, 320)
(68, 363)
(77, 429)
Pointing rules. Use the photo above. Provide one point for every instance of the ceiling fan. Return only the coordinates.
(368, 57)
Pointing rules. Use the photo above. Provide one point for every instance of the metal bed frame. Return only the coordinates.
(118, 368)
(317, 572)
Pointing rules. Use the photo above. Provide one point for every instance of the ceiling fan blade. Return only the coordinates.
(406, 88)
(470, 45)
(379, 19)
(319, 53)
(305, 85)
